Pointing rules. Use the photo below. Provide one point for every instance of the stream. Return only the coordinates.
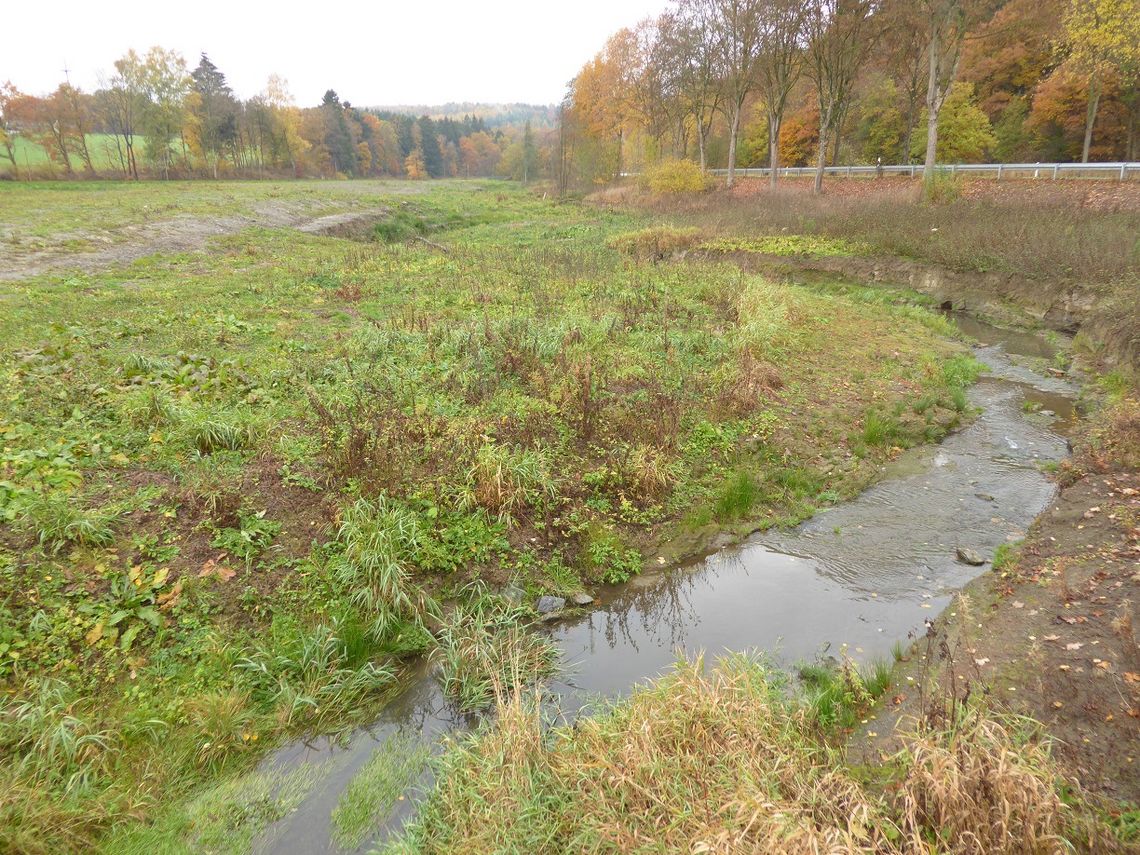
(856, 579)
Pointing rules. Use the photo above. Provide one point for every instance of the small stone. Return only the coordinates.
(970, 556)
(985, 497)
(548, 604)
(582, 599)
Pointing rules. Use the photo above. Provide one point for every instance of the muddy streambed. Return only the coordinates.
(856, 578)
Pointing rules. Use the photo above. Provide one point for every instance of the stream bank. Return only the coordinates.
(1106, 325)
(854, 580)
(1050, 634)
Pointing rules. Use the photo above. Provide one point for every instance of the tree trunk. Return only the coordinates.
(701, 142)
(11, 155)
(837, 135)
(825, 120)
(908, 136)
(1090, 116)
(932, 110)
(132, 161)
(821, 160)
(732, 144)
(1130, 136)
(773, 149)
(621, 152)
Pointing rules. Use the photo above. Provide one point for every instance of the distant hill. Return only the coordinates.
(493, 115)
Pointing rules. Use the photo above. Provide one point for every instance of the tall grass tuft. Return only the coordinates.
(506, 479)
(311, 680)
(376, 539)
(981, 789)
(484, 647)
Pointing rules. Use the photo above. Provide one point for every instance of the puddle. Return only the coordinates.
(857, 578)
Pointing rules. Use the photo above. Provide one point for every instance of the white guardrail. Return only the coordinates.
(1121, 171)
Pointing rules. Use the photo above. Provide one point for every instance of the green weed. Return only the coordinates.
(737, 497)
(393, 767)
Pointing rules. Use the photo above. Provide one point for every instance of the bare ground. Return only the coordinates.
(186, 233)
(1052, 636)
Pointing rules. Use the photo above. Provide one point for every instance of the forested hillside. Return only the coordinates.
(720, 82)
(855, 81)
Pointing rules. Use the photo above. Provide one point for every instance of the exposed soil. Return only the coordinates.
(1052, 636)
(185, 233)
(1003, 298)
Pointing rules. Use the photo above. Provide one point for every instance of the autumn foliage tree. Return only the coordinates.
(1102, 38)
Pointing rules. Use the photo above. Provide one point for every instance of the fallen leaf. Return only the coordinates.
(95, 633)
(1018, 605)
(1076, 645)
(170, 599)
(1052, 638)
(982, 661)
(213, 568)
(1131, 677)
(1057, 705)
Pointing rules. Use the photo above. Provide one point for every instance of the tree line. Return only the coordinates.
(154, 116)
(735, 83)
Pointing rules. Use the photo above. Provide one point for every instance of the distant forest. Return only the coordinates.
(157, 117)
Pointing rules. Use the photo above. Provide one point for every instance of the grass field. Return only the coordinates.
(239, 485)
(62, 218)
(32, 157)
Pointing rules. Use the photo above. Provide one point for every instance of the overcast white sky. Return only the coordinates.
(378, 52)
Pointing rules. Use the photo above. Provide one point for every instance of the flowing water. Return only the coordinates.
(856, 578)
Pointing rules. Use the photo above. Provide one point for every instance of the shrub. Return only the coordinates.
(656, 243)
(506, 479)
(609, 559)
(483, 650)
(676, 176)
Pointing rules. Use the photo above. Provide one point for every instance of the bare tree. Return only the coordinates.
(10, 97)
(124, 104)
(840, 35)
(77, 117)
(948, 21)
(738, 26)
(904, 41)
(690, 44)
(779, 65)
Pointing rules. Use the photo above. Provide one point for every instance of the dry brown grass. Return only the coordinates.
(979, 790)
(656, 243)
(723, 762)
(1052, 239)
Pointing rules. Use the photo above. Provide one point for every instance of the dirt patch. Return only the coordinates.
(1051, 636)
(183, 234)
(352, 225)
